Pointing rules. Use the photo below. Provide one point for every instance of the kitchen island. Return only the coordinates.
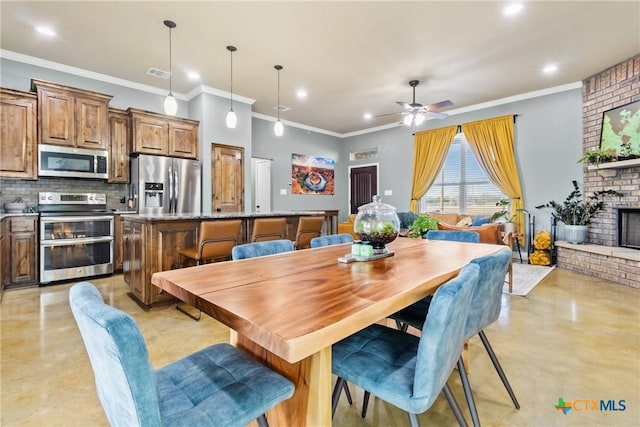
(151, 243)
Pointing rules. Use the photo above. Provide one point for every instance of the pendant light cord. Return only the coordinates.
(170, 65)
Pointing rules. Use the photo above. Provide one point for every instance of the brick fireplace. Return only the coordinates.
(601, 256)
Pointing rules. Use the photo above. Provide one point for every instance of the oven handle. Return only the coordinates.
(71, 242)
(52, 219)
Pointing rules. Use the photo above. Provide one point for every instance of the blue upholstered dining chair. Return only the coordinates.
(403, 369)
(331, 239)
(457, 236)
(256, 249)
(218, 385)
(485, 309)
(415, 314)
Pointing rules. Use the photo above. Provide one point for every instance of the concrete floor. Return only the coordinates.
(573, 337)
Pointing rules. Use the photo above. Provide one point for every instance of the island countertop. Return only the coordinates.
(218, 215)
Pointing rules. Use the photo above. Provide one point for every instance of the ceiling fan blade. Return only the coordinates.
(404, 105)
(438, 105)
(388, 114)
(430, 115)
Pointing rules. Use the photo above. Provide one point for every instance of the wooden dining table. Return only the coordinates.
(287, 310)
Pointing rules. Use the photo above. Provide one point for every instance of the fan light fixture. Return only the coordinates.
(278, 128)
(170, 104)
(415, 119)
(232, 119)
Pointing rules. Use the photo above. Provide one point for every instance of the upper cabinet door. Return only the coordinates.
(92, 123)
(150, 135)
(18, 132)
(183, 139)
(119, 146)
(72, 117)
(56, 118)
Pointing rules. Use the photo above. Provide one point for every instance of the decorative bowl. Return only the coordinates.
(14, 207)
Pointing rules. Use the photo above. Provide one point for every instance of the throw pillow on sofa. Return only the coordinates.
(479, 220)
(489, 233)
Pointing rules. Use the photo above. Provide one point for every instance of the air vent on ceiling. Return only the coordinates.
(281, 108)
(156, 72)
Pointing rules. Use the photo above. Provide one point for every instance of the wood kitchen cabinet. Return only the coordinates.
(18, 134)
(119, 146)
(133, 253)
(118, 242)
(161, 135)
(72, 117)
(20, 251)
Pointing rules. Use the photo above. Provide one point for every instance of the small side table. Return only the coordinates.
(509, 239)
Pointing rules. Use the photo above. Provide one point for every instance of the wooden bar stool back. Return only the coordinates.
(265, 229)
(309, 227)
(216, 239)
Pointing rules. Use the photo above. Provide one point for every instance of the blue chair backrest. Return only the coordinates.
(125, 379)
(332, 239)
(458, 236)
(256, 249)
(443, 336)
(487, 297)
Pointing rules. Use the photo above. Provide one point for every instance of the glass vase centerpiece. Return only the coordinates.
(378, 224)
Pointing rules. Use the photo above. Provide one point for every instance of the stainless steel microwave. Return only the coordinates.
(72, 162)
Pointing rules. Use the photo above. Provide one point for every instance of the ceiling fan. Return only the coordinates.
(416, 113)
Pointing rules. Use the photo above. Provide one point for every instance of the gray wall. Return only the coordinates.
(548, 144)
(299, 141)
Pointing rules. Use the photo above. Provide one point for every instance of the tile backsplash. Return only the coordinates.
(11, 189)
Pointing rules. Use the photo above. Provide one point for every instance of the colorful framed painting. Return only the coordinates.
(312, 175)
(621, 130)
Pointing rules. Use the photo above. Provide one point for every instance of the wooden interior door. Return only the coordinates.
(364, 185)
(227, 164)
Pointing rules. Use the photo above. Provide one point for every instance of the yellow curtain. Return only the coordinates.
(492, 143)
(430, 151)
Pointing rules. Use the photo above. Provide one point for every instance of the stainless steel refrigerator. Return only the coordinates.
(164, 185)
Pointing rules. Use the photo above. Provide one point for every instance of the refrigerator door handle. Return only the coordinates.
(171, 195)
(176, 191)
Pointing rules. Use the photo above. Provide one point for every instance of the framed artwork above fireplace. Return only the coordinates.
(621, 130)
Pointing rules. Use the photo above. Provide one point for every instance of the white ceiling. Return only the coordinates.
(351, 57)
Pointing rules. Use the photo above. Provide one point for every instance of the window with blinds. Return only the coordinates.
(461, 186)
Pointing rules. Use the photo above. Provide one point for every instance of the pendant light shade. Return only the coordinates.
(278, 127)
(170, 104)
(232, 119)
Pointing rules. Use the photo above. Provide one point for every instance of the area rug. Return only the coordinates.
(526, 277)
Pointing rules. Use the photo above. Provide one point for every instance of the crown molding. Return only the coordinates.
(18, 57)
(297, 125)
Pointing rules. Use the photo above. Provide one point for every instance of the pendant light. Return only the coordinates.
(170, 104)
(232, 119)
(278, 128)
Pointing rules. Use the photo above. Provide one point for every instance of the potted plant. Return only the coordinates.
(626, 152)
(505, 212)
(421, 225)
(577, 212)
(595, 157)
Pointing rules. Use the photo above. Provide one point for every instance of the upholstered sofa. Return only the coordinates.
(489, 233)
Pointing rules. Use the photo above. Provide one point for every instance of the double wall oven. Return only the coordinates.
(76, 236)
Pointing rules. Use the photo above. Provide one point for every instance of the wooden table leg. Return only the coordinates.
(311, 402)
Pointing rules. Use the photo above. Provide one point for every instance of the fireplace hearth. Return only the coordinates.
(628, 228)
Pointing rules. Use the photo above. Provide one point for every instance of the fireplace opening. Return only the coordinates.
(628, 228)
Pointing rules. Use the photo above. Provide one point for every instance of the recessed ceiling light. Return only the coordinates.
(193, 75)
(512, 9)
(367, 116)
(301, 94)
(47, 31)
(550, 68)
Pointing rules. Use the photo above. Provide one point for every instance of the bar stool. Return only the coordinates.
(268, 229)
(216, 239)
(309, 227)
